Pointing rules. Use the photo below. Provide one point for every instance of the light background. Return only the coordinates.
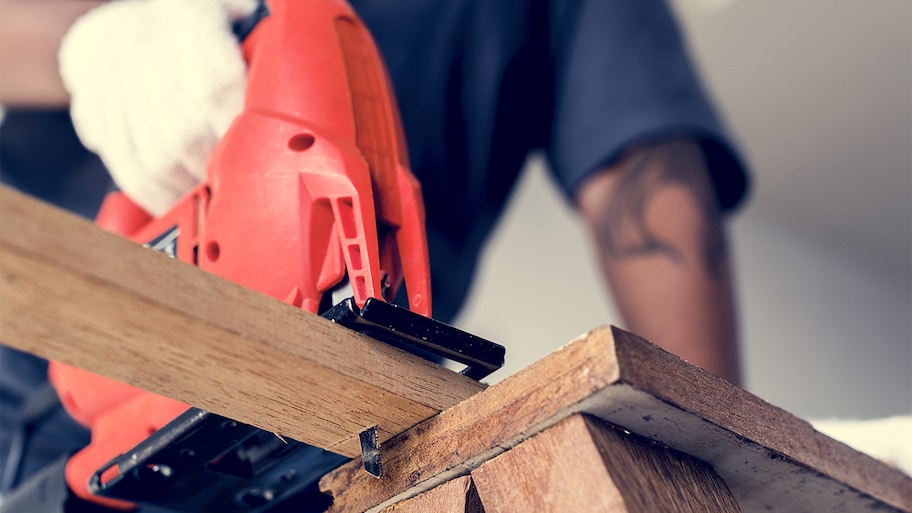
(818, 94)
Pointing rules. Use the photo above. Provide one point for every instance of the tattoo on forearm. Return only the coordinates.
(626, 233)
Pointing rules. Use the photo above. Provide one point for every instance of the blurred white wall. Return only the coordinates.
(819, 95)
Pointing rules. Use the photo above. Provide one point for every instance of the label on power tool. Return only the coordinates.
(166, 243)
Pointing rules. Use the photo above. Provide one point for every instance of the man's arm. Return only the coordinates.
(661, 246)
(30, 35)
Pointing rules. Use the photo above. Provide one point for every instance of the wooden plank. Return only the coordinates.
(771, 460)
(583, 464)
(454, 496)
(74, 293)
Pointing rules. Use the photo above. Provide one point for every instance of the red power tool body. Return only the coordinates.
(309, 187)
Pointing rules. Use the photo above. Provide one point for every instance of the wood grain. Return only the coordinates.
(583, 464)
(73, 293)
(771, 460)
(455, 496)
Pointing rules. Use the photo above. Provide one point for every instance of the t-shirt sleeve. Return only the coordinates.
(623, 76)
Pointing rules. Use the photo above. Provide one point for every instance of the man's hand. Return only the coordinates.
(153, 85)
(661, 245)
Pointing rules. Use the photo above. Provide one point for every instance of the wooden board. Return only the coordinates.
(583, 464)
(455, 496)
(71, 292)
(771, 460)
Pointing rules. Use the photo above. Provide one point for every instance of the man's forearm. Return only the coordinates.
(30, 35)
(662, 247)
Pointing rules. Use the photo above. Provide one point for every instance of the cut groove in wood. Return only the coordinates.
(770, 460)
(455, 496)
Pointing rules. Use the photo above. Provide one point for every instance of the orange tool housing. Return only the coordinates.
(310, 185)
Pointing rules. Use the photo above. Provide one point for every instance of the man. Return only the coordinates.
(603, 87)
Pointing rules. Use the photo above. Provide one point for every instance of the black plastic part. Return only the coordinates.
(205, 462)
(407, 330)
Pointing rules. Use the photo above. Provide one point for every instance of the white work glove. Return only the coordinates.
(154, 84)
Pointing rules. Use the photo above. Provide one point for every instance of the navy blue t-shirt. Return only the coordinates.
(481, 84)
